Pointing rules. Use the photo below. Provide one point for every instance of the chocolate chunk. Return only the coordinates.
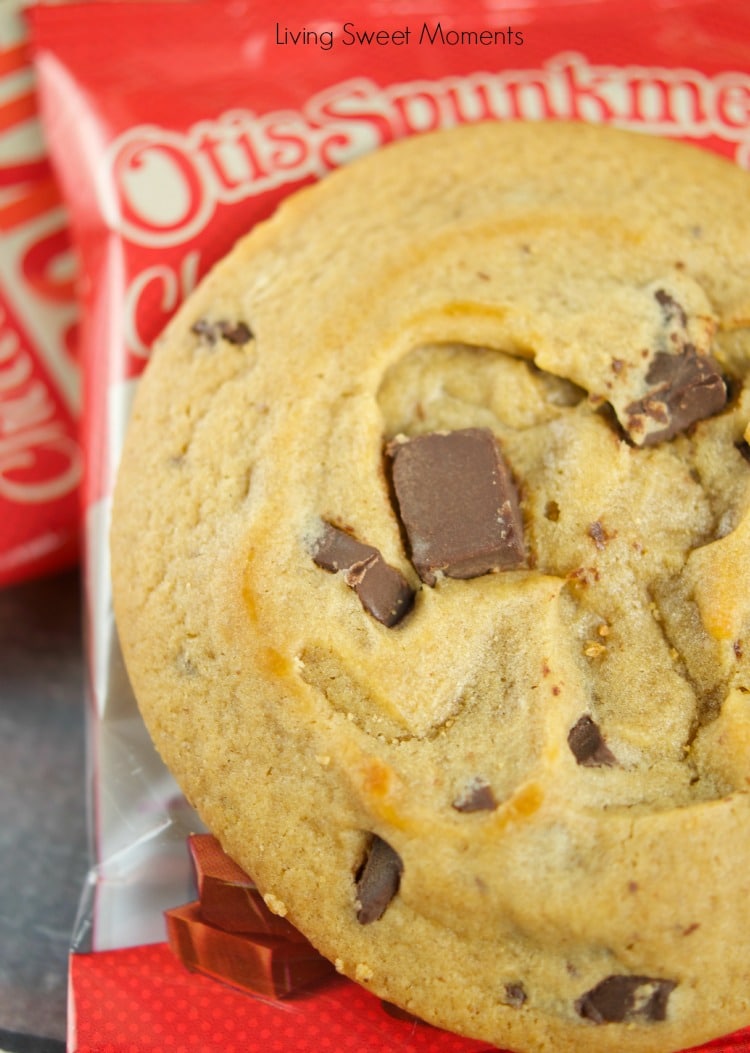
(383, 590)
(599, 535)
(230, 933)
(458, 504)
(233, 332)
(588, 745)
(515, 995)
(685, 388)
(268, 966)
(206, 330)
(477, 797)
(229, 899)
(672, 310)
(743, 448)
(378, 880)
(626, 998)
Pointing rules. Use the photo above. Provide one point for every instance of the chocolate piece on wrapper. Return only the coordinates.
(383, 590)
(398, 1013)
(230, 934)
(458, 504)
(229, 899)
(272, 967)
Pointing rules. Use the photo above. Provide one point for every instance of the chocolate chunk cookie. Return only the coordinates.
(431, 558)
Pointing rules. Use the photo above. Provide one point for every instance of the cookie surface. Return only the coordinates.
(430, 556)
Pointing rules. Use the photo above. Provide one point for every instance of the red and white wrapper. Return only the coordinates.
(175, 127)
(41, 464)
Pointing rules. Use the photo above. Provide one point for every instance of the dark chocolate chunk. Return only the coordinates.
(477, 797)
(626, 998)
(599, 535)
(515, 995)
(672, 310)
(383, 590)
(229, 899)
(685, 388)
(267, 966)
(588, 746)
(458, 504)
(205, 329)
(236, 333)
(378, 880)
(232, 332)
(743, 448)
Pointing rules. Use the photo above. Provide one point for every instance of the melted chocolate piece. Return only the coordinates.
(588, 746)
(685, 388)
(233, 332)
(625, 998)
(458, 504)
(378, 880)
(383, 591)
(477, 797)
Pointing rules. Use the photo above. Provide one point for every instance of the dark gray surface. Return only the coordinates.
(43, 838)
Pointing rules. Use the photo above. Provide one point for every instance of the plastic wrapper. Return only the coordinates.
(41, 464)
(175, 127)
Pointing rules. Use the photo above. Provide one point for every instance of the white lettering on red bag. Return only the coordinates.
(170, 184)
(39, 459)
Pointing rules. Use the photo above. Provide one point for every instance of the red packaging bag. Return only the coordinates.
(203, 116)
(40, 458)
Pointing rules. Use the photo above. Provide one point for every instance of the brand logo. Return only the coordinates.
(39, 458)
(170, 184)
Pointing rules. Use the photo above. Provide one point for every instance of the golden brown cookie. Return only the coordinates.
(431, 555)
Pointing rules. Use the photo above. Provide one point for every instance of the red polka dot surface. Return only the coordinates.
(143, 1000)
(154, 1005)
